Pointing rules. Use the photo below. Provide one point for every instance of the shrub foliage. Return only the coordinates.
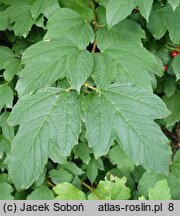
(89, 99)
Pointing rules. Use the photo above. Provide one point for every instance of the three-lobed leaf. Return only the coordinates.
(52, 60)
(125, 62)
(163, 19)
(70, 24)
(126, 113)
(44, 118)
(125, 31)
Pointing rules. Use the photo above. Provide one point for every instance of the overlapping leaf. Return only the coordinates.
(41, 193)
(176, 66)
(125, 62)
(44, 118)
(119, 158)
(125, 31)
(70, 24)
(19, 15)
(173, 104)
(5, 191)
(67, 191)
(45, 7)
(81, 6)
(9, 63)
(118, 10)
(6, 96)
(175, 166)
(112, 189)
(50, 60)
(126, 113)
(144, 7)
(164, 19)
(8, 131)
(161, 191)
(147, 181)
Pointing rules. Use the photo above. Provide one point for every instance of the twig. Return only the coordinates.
(91, 189)
(90, 86)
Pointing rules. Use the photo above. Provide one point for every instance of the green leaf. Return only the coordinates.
(111, 189)
(126, 31)
(70, 24)
(42, 193)
(92, 169)
(170, 86)
(175, 166)
(67, 191)
(126, 113)
(163, 19)
(5, 146)
(83, 153)
(44, 118)
(9, 62)
(41, 179)
(60, 175)
(117, 10)
(81, 6)
(124, 65)
(45, 7)
(7, 130)
(160, 191)
(63, 58)
(72, 168)
(173, 104)
(5, 191)
(12, 67)
(104, 71)
(6, 96)
(4, 178)
(102, 2)
(119, 158)
(176, 66)
(147, 181)
(56, 155)
(3, 21)
(144, 7)
(18, 14)
(174, 3)
(5, 54)
(141, 198)
(125, 51)
(174, 184)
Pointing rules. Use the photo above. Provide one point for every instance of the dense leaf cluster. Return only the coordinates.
(87, 111)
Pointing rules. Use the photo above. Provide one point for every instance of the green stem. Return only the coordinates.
(90, 86)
